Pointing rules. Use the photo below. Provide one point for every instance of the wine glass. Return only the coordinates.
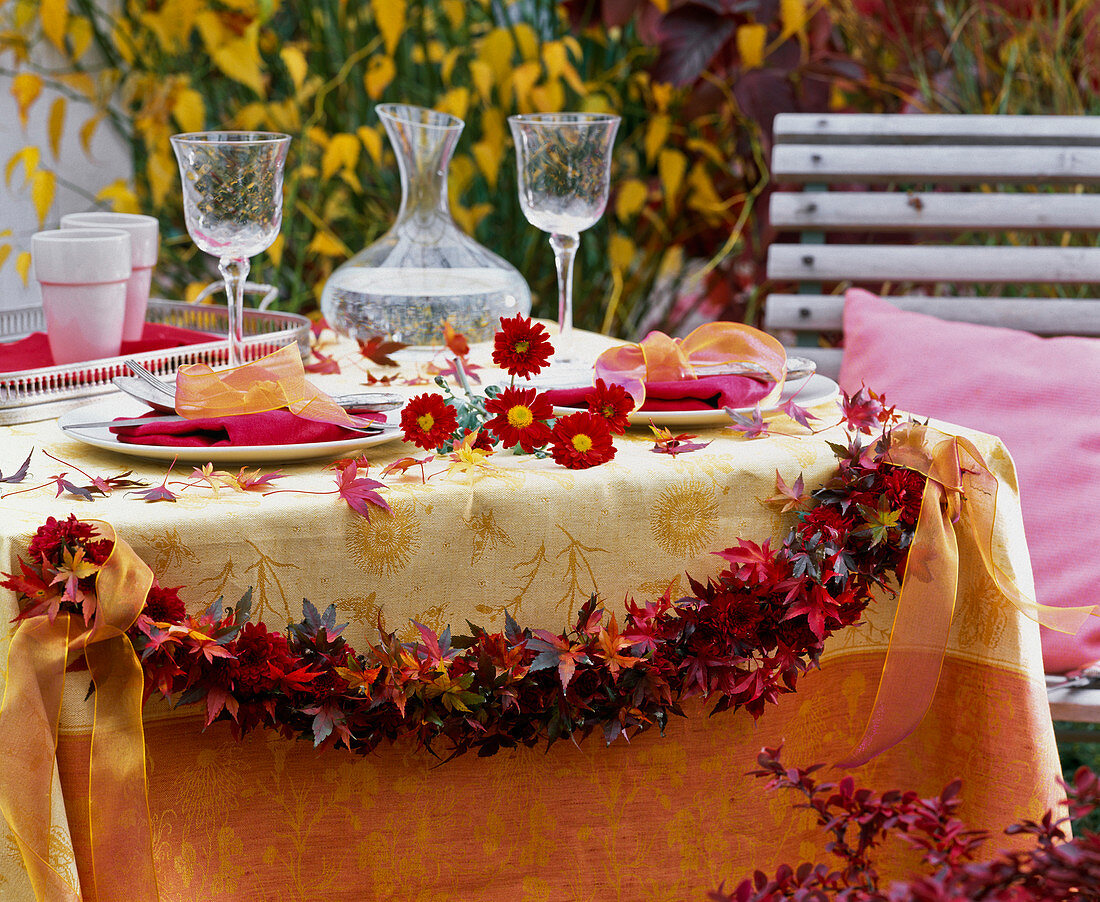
(564, 164)
(233, 205)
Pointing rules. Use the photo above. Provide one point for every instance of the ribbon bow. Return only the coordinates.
(711, 349)
(269, 383)
(960, 501)
(118, 807)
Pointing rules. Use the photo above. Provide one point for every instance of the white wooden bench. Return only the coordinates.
(935, 177)
(990, 182)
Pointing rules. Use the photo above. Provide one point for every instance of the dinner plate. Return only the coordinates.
(122, 406)
(816, 390)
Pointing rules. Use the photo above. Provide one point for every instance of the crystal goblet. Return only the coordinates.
(564, 166)
(233, 205)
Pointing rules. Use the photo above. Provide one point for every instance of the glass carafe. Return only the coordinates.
(424, 271)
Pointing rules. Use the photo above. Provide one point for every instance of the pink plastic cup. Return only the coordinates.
(83, 274)
(144, 245)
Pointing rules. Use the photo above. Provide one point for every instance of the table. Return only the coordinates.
(661, 817)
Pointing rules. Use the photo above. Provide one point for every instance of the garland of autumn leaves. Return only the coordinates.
(741, 639)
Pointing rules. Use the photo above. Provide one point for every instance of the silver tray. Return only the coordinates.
(41, 394)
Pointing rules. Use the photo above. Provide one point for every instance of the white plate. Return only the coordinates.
(123, 406)
(817, 389)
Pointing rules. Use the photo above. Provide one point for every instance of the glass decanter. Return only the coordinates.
(424, 270)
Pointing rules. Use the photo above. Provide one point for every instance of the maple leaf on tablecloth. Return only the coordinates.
(106, 486)
(156, 493)
(665, 442)
(401, 465)
(554, 651)
(324, 364)
(20, 474)
(216, 479)
(792, 497)
(749, 427)
(360, 492)
(63, 485)
(377, 350)
(361, 463)
(797, 413)
(455, 341)
(451, 370)
(467, 458)
(254, 479)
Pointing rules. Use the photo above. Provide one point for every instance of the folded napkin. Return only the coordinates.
(33, 351)
(705, 393)
(272, 427)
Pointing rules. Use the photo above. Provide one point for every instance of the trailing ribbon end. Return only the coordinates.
(959, 504)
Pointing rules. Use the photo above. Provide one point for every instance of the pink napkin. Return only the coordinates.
(706, 393)
(274, 427)
(33, 351)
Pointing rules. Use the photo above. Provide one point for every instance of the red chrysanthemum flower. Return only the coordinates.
(905, 491)
(71, 533)
(521, 347)
(520, 418)
(428, 421)
(611, 403)
(581, 440)
(163, 605)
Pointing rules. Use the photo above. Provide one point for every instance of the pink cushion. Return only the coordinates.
(1032, 392)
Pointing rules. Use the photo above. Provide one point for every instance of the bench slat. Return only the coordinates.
(933, 263)
(948, 164)
(881, 128)
(1043, 316)
(896, 211)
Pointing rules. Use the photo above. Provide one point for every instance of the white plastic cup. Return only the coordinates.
(83, 274)
(144, 246)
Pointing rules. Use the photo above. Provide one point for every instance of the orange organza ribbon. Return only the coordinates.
(960, 500)
(270, 383)
(118, 808)
(660, 358)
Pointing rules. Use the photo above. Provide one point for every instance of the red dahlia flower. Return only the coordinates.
(521, 347)
(428, 421)
(519, 420)
(611, 403)
(581, 440)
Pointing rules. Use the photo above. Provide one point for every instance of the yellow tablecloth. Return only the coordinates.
(663, 817)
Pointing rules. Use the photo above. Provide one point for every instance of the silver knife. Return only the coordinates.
(146, 421)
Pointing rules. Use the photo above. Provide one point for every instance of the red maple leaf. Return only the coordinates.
(750, 561)
(253, 479)
(377, 350)
(818, 606)
(455, 341)
(359, 492)
(156, 493)
(799, 414)
(401, 465)
(324, 364)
